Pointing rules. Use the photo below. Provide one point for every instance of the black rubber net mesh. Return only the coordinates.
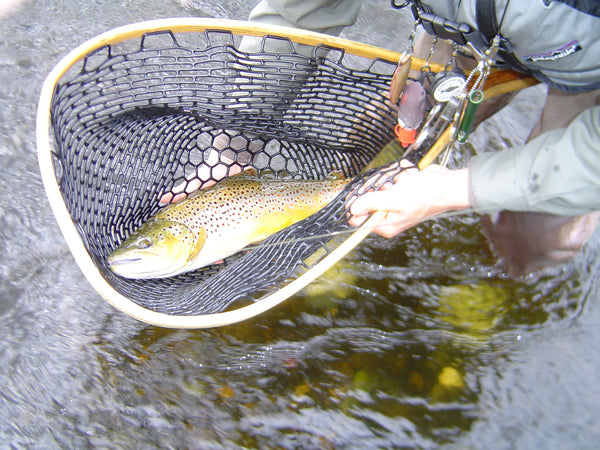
(151, 116)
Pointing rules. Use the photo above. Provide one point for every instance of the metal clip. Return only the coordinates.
(485, 62)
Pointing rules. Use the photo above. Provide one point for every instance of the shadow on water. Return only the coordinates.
(419, 341)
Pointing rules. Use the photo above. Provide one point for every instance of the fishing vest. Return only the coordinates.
(556, 41)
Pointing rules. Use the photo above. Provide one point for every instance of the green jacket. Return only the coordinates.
(558, 172)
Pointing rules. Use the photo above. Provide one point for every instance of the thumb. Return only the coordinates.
(371, 201)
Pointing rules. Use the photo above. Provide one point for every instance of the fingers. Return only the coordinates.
(389, 230)
(414, 197)
(357, 220)
(390, 226)
(393, 225)
(386, 198)
(371, 201)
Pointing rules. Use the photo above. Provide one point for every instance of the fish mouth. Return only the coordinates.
(142, 266)
(119, 262)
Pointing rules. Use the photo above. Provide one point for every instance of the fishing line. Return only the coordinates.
(353, 230)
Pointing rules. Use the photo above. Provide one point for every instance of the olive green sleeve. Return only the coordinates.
(558, 172)
(322, 16)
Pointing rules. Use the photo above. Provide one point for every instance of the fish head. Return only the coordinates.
(158, 249)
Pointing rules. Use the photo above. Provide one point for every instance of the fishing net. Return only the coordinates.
(153, 116)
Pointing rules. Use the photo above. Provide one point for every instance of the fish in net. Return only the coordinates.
(161, 113)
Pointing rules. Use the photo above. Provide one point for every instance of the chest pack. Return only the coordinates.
(487, 28)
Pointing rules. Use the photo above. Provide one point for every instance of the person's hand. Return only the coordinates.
(413, 197)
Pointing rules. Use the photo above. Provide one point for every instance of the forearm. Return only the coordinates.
(558, 172)
(443, 190)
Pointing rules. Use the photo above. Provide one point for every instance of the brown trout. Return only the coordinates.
(217, 222)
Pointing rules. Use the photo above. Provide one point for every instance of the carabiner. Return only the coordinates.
(399, 4)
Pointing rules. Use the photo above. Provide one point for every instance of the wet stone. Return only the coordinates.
(278, 163)
(204, 140)
(239, 143)
(195, 156)
(273, 147)
(261, 161)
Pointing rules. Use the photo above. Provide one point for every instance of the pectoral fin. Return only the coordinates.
(200, 240)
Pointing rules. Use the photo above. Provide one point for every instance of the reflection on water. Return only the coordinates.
(418, 341)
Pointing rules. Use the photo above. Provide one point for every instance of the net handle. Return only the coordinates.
(67, 226)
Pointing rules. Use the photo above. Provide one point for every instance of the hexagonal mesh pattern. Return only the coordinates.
(160, 116)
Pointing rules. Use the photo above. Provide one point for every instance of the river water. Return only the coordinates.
(415, 342)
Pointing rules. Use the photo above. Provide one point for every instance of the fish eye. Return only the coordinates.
(143, 243)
